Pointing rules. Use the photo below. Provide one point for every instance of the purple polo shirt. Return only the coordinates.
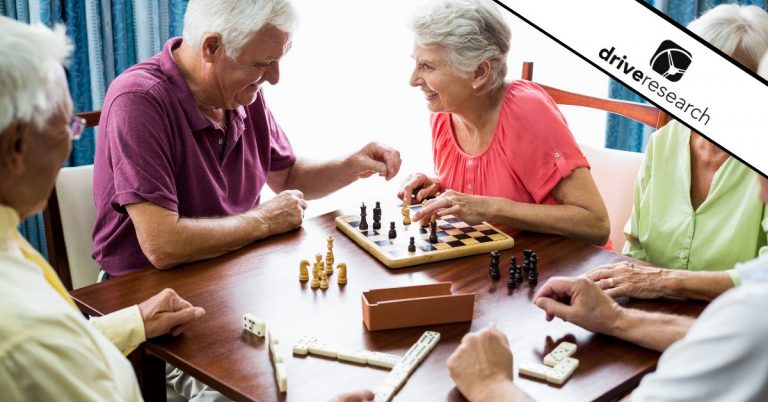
(156, 145)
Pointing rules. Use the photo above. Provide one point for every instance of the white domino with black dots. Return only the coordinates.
(258, 327)
(557, 368)
(254, 325)
(310, 345)
(405, 367)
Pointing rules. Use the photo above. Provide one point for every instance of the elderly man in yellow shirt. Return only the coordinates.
(48, 351)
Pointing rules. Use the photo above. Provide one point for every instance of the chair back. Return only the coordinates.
(69, 220)
(614, 171)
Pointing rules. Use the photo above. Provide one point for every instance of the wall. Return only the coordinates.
(345, 82)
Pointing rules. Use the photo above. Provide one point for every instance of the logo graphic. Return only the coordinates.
(671, 61)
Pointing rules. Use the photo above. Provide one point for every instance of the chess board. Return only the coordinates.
(455, 238)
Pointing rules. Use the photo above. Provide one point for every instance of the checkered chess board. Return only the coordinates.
(455, 238)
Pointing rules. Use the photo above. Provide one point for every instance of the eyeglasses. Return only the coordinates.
(76, 127)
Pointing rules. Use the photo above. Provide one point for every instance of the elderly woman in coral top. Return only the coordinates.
(502, 151)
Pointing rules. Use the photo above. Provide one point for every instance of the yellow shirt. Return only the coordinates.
(48, 351)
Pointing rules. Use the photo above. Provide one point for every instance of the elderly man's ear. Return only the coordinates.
(210, 44)
(13, 143)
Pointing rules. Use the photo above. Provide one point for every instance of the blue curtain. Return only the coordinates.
(109, 37)
(629, 135)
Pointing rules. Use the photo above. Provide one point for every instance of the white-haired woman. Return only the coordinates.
(502, 151)
(696, 208)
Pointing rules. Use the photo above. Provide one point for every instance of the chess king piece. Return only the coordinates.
(407, 217)
(363, 222)
(392, 231)
(433, 231)
(323, 280)
(303, 271)
(377, 216)
(412, 245)
(342, 279)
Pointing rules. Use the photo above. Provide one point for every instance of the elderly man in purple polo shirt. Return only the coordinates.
(187, 142)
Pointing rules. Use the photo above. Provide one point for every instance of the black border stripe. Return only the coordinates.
(678, 26)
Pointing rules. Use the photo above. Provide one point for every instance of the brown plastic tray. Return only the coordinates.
(413, 306)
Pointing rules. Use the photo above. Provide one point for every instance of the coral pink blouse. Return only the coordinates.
(531, 151)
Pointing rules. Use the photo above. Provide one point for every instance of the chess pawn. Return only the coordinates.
(433, 230)
(407, 217)
(392, 231)
(315, 279)
(323, 280)
(303, 271)
(412, 245)
(319, 262)
(342, 279)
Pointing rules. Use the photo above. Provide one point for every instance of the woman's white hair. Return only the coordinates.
(469, 31)
(235, 20)
(730, 27)
(31, 58)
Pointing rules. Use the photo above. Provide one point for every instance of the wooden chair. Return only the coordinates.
(74, 194)
(614, 171)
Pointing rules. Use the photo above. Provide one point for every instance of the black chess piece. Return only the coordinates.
(533, 274)
(363, 222)
(493, 267)
(518, 274)
(511, 272)
(433, 232)
(412, 245)
(392, 231)
(377, 216)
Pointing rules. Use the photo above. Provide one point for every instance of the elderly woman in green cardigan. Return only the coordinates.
(696, 211)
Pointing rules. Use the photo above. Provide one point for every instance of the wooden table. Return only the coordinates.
(263, 279)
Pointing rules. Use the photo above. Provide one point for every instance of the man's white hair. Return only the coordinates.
(729, 27)
(469, 31)
(31, 58)
(235, 20)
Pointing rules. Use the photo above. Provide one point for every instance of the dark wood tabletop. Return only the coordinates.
(262, 279)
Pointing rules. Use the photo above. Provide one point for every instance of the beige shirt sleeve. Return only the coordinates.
(124, 328)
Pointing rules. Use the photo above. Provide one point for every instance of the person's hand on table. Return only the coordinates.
(472, 209)
(629, 279)
(481, 367)
(166, 312)
(375, 158)
(580, 301)
(358, 396)
(284, 212)
(417, 187)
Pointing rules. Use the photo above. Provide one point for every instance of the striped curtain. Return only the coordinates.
(627, 134)
(109, 37)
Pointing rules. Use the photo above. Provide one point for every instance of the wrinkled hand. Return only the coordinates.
(359, 396)
(166, 312)
(580, 301)
(628, 279)
(284, 212)
(481, 362)
(418, 186)
(376, 158)
(472, 209)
